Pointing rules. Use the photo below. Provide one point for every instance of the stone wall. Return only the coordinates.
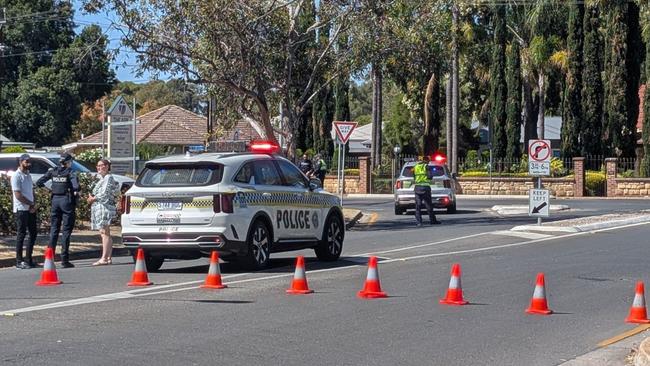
(632, 187)
(351, 184)
(559, 187)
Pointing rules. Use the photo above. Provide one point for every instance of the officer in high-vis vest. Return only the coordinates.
(65, 189)
(422, 176)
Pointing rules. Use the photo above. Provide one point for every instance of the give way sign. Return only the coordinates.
(344, 130)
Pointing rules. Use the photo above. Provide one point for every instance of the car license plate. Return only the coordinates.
(168, 219)
(170, 206)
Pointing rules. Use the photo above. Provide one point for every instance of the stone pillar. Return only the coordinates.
(364, 174)
(610, 168)
(579, 172)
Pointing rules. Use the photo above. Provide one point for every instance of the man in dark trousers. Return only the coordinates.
(65, 189)
(24, 212)
(422, 189)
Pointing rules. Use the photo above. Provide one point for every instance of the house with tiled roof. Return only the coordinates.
(171, 126)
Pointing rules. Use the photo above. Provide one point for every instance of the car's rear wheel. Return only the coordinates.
(399, 210)
(259, 246)
(153, 263)
(331, 245)
(452, 209)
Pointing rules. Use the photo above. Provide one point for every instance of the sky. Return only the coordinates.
(124, 64)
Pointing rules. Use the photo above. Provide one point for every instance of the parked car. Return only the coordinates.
(42, 162)
(443, 185)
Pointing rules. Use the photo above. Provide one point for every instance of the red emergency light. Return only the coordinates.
(263, 147)
(439, 158)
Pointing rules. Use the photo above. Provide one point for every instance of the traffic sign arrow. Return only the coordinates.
(536, 209)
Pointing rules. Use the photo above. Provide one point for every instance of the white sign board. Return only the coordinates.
(344, 130)
(539, 157)
(121, 128)
(538, 203)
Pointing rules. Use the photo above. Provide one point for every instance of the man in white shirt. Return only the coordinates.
(24, 211)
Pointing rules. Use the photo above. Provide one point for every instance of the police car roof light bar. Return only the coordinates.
(439, 158)
(263, 147)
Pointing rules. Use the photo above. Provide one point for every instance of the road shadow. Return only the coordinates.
(277, 266)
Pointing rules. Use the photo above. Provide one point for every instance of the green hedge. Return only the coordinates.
(43, 205)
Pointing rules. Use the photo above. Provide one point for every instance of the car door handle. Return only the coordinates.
(266, 194)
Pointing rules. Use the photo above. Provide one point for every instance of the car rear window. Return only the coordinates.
(180, 175)
(435, 171)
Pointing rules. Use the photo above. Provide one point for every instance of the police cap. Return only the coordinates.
(65, 158)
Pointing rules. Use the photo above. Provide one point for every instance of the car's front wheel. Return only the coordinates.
(331, 245)
(259, 246)
(399, 210)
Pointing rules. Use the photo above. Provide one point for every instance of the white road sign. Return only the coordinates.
(538, 203)
(344, 130)
(539, 157)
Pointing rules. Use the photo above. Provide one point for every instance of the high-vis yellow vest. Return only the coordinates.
(421, 174)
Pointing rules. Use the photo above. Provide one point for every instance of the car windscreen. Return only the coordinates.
(76, 166)
(180, 175)
(434, 171)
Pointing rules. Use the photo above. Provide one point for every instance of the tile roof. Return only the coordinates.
(167, 125)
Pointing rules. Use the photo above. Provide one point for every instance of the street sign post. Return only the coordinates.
(538, 204)
(539, 157)
(343, 131)
(539, 164)
(121, 137)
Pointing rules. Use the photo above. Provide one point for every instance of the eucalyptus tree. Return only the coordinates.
(249, 49)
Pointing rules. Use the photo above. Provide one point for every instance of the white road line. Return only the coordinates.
(420, 245)
(521, 234)
(154, 291)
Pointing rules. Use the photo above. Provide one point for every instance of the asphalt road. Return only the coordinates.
(93, 318)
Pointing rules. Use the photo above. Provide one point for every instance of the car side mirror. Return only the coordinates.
(314, 184)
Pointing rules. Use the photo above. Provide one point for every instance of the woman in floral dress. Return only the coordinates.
(103, 209)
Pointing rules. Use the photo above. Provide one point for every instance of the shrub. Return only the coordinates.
(14, 149)
(557, 168)
(91, 157)
(595, 183)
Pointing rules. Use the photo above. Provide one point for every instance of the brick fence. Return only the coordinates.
(559, 187)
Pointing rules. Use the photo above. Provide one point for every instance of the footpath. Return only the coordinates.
(86, 244)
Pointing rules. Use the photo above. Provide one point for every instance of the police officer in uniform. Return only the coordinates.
(422, 190)
(65, 189)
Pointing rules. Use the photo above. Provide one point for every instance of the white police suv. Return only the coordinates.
(245, 205)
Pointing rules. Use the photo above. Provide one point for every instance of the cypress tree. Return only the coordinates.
(572, 104)
(513, 150)
(592, 84)
(498, 90)
(302, 71)
(633, 60)
(323, 109)
(616, 110)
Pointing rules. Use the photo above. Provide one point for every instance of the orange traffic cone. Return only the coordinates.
(140, 277)
(455, 291)
(48, 276)
(638, 312)
(213, 280)
(299, 284)
(372, 287)
(538, 304)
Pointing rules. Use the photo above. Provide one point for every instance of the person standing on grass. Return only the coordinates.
(103, 209)
(24, 211)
